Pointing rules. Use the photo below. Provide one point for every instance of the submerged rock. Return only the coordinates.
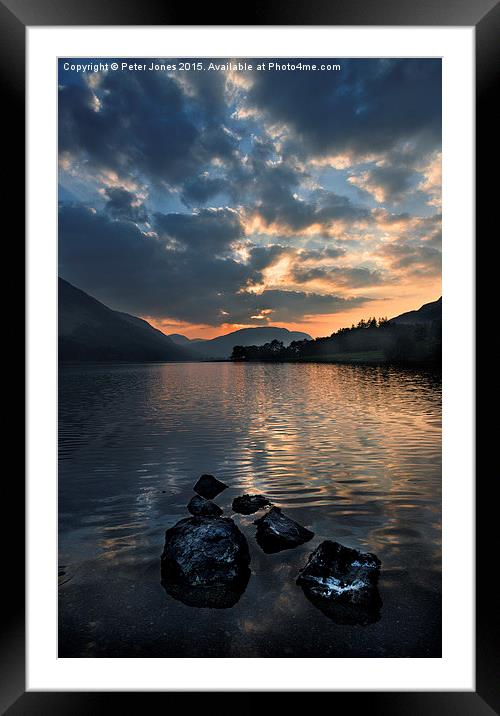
(204, 552)
(209, 487)
(342, 583)
(248, 504)
(276, 531)
(200, 507)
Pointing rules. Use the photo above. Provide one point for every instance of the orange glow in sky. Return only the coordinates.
(321, 325)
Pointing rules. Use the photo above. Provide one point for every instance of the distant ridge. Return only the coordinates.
(222, 346)
(179, 339)
(428, 312)
(90, 331)
(412, 338)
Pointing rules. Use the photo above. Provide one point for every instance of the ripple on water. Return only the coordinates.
(351, 452)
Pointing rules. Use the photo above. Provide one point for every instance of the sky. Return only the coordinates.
(221, 197)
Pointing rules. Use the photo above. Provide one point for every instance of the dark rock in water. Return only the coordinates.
(342, 583)
(204, 552)
(276, 531)
(200, 507)
(216, 596)
(333, 570)
(248, 504)
(209, 486)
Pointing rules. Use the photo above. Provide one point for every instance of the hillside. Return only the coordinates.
(428, 312)
(90, 331)
(411, 338)
(179, 339)
(222, 346)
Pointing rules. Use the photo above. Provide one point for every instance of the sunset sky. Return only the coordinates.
(207, 201)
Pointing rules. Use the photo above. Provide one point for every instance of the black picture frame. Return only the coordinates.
(15, 17)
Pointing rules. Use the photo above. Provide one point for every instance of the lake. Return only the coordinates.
(351, 452)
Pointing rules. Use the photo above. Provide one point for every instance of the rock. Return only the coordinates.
(333, 570)
(342, 583)
(276, 531)
(209, 487)
(204, 552)
(248, 504)
(200, 507)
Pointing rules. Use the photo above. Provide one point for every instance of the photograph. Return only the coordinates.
(249, 357)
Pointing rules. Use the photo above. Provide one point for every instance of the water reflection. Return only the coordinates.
(354, 453)
(220, 596)
(347, 613)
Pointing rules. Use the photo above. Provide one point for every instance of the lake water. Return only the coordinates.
(351, 452)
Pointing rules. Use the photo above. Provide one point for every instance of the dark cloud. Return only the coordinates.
(260, 257)
(136, 272)
(290, 305)
(298, 214)
(143, 124)
(132, 271)
(414, 258)
(123, 204)
(277, 202)
(388, 182)
(200, 189)
(367, 107)
(185, 179)
(344, 277)
(130, 125)
(206, 230)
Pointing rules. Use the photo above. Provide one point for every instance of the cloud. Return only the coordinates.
(385, 182)
(413, 258)
(123, 204)
(205, 230)
(408, 227)
(289, 306)
(432, 180)
(135, 271)
(145, 125)
(366, 108)
(200, 189)
(127, 132)
(344, 277)
(279, 209)
(250, 197)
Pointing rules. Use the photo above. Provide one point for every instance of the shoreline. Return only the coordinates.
(433, 367)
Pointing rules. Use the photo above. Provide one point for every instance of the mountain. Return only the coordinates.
(179, 339)
(90, 331)
(184, 340)
(425, 314)
(222, 346)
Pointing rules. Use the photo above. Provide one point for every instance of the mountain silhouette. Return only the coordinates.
(222, 346)
(425, 314)
(90, 331)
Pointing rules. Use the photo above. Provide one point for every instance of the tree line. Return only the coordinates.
(371, 340)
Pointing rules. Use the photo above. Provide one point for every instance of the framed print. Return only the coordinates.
(250, 314)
